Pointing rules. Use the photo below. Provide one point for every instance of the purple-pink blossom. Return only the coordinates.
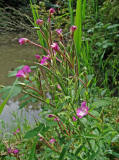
(59, 87)
(55, 46)
(26, 69)
(52, 140)
(15, 151)
(52, 11)
(37, 56)
(17, 131)
(83, 110)
(23, 41)
(39, 22)
(23, 72)
(20, 73)
(73, 28)
(9, 150)
(56, 119)
(44, 60)
(59, 31)
(74, 118)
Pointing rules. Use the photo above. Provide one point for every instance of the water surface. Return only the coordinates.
(12, 55)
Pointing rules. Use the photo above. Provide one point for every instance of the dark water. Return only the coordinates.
(12, 55)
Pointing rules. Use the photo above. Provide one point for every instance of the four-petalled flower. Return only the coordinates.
(83, 110)
(55, 46)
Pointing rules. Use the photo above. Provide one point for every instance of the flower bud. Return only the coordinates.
(9, 150)
(52, 141)
(73, 28)
(37, 56)
(52, 11)
(23, 41)
(39, 22)
(74, 118)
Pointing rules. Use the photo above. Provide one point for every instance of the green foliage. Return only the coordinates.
(9, 92)
(73, 74)
(110, 11)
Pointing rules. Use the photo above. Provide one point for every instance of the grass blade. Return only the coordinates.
(7, 98)
(78, 32)
(71, 12)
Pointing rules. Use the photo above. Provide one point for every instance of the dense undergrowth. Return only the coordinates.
(78, 68)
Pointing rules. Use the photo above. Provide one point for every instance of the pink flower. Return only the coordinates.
(9, 150)
(55, 46)
(56, 119)
(17, 131)
(74, 118)
(15, 151)
(41, 139)
(20, 73)
(83, 110)
(52, 141)
(37, 56)
(44, 60)
(39, 22)
(23, 72)
(52, 11)
(23, 41)
(73, 28)
(59, 31)
(26, 69)
(59, 87)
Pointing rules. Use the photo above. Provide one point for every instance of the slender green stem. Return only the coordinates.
(42, 100)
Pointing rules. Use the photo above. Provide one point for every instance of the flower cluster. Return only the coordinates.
(24, 72)
(83, 110)
(17, 131)
(14, 151)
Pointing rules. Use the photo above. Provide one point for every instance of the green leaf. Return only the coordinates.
(113, 26)
(93, 156)
(115, 139)
(102, 102)
(64, 150)
(7, 98)
(13, 73)
(71, 12)
(34, 132)
(22, 105)
(79, 149)
(32, 154)
(47, 100)
(78, 23)
(113, 153)
(63, 153)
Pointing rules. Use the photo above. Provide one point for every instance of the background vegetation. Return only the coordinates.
(96, 55)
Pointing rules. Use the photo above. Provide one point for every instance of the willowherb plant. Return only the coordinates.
(68, 131)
